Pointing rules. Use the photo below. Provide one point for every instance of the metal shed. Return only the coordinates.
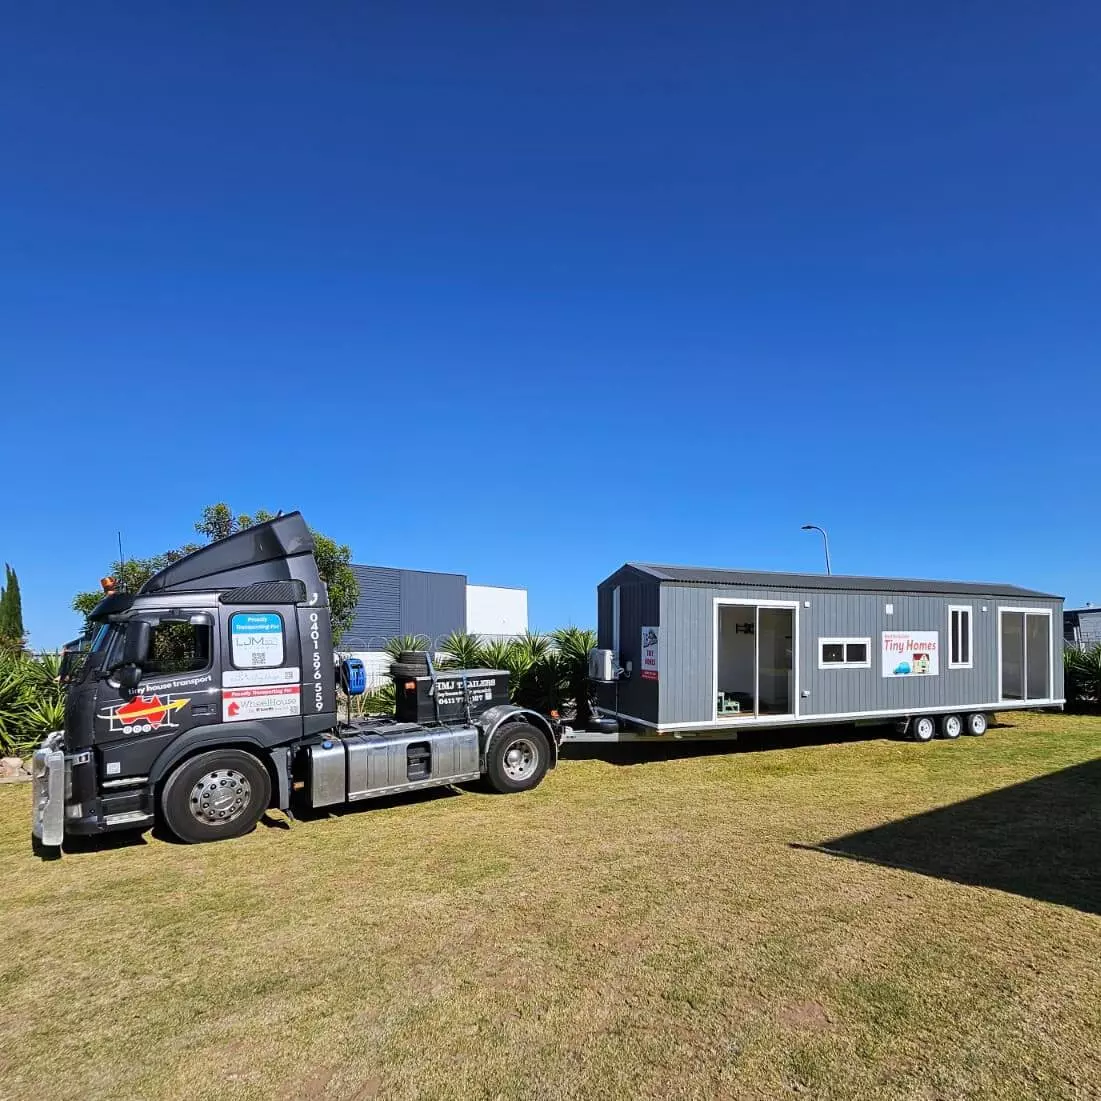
(711, 650)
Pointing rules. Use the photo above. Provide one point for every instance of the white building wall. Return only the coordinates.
(496, 613)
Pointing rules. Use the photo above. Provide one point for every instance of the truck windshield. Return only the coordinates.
(75, 655)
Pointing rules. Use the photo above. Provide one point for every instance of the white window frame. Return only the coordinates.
(970, 662)
(824, 642)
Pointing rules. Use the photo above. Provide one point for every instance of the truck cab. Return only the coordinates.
(210, 695)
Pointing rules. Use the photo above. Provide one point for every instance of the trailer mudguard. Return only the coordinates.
(491, 721)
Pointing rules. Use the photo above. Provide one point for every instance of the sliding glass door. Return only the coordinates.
(1025, 655)
(754, 661)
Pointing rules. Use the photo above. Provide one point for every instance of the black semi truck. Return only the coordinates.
(210, 696)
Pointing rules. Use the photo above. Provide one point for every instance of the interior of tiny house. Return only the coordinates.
(755, 670)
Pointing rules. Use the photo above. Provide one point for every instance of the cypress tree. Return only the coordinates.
(11, 608)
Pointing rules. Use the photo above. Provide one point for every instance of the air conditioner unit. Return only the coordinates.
(602, 666)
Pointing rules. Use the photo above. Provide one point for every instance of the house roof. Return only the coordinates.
(763, 579)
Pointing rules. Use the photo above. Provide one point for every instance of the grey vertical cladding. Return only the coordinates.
(688, 655)
(639, 606)
(378, 611)
(432, 604)
(404, 602)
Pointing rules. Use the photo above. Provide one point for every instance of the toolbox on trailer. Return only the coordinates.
(456, 690)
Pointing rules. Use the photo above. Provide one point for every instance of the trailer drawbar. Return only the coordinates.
(211, 695)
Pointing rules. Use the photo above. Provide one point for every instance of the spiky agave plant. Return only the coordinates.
(1083, 675)
(573, 646)
(462, 650)
(407, 642)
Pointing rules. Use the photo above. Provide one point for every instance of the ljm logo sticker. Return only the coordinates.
(144, 714)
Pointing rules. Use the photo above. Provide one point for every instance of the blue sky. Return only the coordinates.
(628, 281)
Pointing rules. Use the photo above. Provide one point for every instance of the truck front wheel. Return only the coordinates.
(215, 795)
(518, 758)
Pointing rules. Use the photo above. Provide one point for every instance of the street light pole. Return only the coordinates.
(825, 542)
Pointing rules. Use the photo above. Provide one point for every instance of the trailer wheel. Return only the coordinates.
(976, 724)
(519, 756)
(215, 795)
(951, 727)
(922, 728)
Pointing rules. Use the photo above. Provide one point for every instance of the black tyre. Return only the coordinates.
(413, 657)
(398, 670)
(518, 759)
(922, 728)
(975, 724)
(216, 795)
(951, 727)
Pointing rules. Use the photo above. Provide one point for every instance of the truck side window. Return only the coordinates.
(256, 640)
(179, 648)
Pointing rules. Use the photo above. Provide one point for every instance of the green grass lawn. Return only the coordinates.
(856, 919)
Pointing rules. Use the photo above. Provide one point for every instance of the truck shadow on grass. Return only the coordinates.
(1040, 838)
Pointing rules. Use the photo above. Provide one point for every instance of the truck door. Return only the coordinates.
(261, 675)
(177, 693)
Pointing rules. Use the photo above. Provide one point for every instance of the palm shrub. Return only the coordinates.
(407, 642)
(32, 701)
(461, 650)
(574, 644)
(1082, 670)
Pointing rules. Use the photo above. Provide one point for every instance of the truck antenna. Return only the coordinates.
(122, 561)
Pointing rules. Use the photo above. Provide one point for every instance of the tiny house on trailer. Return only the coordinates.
(712, 651)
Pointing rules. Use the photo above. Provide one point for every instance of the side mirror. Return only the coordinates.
(128, 677)
(135, 647)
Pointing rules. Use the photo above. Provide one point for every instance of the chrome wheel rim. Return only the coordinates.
(521, 759)
(219, 797)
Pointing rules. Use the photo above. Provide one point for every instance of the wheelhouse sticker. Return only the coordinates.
(239, 704)
(240, 678)
(257, 639)
(144, 714)
(911, 653)
(650, 661)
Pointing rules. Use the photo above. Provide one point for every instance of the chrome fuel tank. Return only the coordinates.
(405, 757)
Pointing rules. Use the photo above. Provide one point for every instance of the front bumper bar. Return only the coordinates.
(48, 791)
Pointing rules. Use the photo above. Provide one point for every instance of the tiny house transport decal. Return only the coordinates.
(650, 664)
(911, 653)
(144, 714)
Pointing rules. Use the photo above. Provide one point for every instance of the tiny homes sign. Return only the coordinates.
(650, 665)
(911, 653)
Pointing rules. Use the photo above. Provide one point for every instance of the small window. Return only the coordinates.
(959, 637)
(256, 640)
(178, 647)
(844, 653)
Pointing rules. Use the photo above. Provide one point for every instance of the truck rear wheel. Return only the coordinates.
(215, 795)
(518, 758)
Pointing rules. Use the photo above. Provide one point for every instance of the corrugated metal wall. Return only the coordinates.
(687, 629)
(404, 602)
(378, 611)
(432, 604)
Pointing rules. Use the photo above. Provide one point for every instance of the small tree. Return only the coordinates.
(11, 611)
